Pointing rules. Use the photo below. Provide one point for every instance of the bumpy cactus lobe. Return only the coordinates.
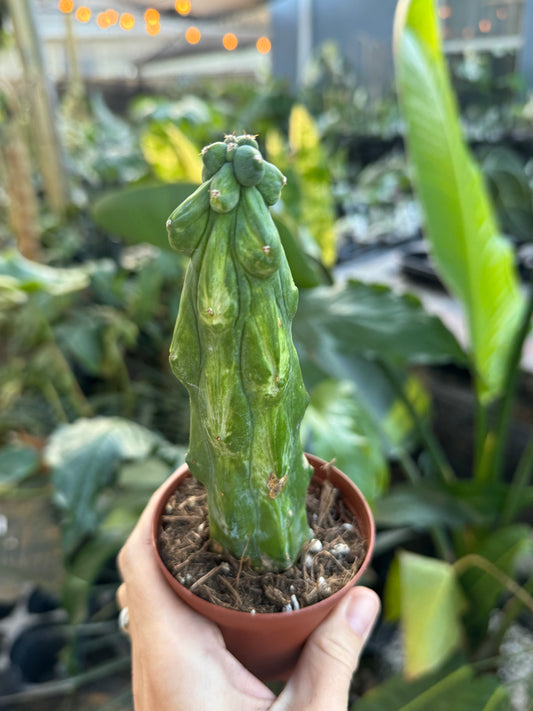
(232, 348)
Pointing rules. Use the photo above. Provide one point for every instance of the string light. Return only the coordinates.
(66, 6)
(183, 7)
(151, 17)
(445, 12)
(193, 35)
(127, 21)
(83, 14)
(103, 21)
(230, 41)
(153, 29)
(501, 13)
(112, 16)
(263, 45)
(485, 26)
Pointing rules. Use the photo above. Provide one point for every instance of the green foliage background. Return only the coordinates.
(91, 420)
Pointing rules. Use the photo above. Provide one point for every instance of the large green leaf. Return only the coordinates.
(424, 594)
(307, 197)
(311, 163)
(510, 190)
(306, 271)
(357, 318)
(422, 506)
(170, 153)
(136, 480)
(335, 426)
(480, 586)
(10, 293)
(144, 474)
(32, 276)
(437, 691)
(472, 257)
(488, 498)
(79, 335)
(17, 462)
(85, 457)
(83, 572)
(139, 214)
(375, 393)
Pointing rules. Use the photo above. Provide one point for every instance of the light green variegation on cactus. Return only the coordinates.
(232, 348)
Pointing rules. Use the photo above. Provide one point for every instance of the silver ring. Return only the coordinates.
(124, 621)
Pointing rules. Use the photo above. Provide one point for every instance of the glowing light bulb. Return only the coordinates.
(112, 16)
(66, 6)
(183, 7)
(151, 16)
(264, 45)
(83, 14)
(193, 35)
(485, 26)
(230, 41)
(127, 21)
(102, 20)
(153, 29)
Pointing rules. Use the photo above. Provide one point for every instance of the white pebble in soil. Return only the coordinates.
(315, 546)
(340, 550)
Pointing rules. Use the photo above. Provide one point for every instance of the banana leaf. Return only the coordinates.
(471, 255)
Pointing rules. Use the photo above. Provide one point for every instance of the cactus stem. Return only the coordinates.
(243, 377)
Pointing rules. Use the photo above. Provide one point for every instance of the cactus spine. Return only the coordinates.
(232, 348)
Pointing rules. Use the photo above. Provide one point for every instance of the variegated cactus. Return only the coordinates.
(232, 348)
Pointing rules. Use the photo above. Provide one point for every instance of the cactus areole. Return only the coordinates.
(232, 348)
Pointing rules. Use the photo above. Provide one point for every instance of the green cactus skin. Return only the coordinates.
(232, 348)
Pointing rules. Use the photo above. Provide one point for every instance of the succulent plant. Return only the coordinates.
(232, 348)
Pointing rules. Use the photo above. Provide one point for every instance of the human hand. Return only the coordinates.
(180, 662)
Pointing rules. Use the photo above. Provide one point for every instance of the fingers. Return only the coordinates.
(330, 656)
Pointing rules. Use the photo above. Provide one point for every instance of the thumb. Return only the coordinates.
(330, 657)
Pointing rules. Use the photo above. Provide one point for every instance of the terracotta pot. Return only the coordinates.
(269, 644)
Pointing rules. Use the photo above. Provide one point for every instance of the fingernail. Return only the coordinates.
(362, 611)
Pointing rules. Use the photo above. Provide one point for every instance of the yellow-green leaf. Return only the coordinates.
(425, 593)
(472, 257)
(171, 154)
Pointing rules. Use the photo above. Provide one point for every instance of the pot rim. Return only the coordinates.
(235, 616)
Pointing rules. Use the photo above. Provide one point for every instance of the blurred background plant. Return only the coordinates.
(91, 420)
